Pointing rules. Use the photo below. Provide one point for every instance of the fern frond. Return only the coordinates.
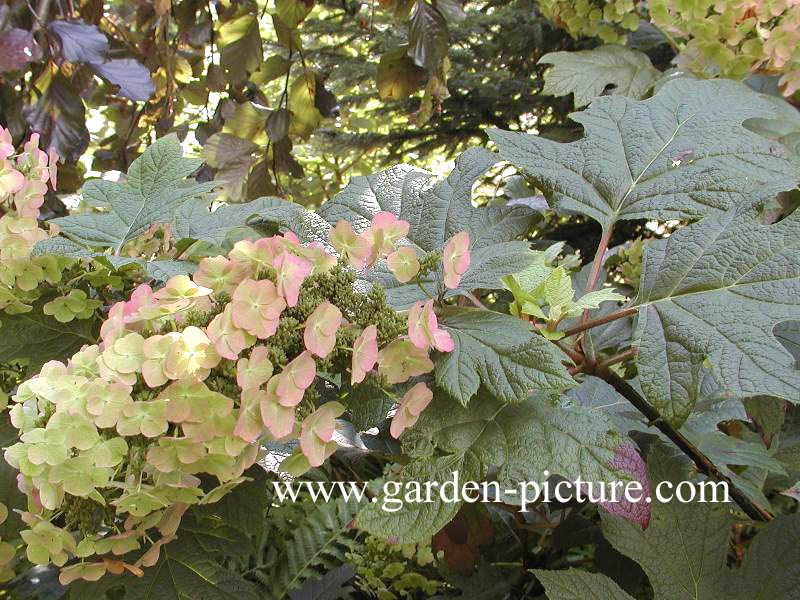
(317, 545)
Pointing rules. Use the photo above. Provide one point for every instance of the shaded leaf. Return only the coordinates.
(574, 584)
(293, 12)
(240, 44)
(195, 220)
(684, 550)
(80, 42)
(328, 587)
(710, 296)
(132, 77)
(278, 124)
(233, 157)
(17, 49)
(302, 103)
(10, 495)
(397, 76)
(59, 117)
(324, 100)
(788, 334)
(452, 10)
(187, 568)
(521, 440)
(428, 36)
(36, 337)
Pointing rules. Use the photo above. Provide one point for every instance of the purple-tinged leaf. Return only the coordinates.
(17, 49)
(627, 460)
(428, 36)
(80, 42)
(60, 118)
(132, 77)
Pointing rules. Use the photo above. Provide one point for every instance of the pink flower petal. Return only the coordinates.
(365, 353)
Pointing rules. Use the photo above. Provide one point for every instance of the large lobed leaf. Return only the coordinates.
(188, 568)
(588, 73)
(38, 338)
(684, 550)
(710, 296)
(154, 189)
(496, 351)
(682, 154)
(521, 440)
(195, 219)
(435, 213)
(574, 584)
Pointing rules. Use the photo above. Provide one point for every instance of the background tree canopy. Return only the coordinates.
(282, 99)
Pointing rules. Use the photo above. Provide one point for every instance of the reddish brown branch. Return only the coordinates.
(620, 314)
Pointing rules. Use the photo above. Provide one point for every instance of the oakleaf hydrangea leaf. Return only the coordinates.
(684, 550)
(494, 350)
(195, 220)
(153, 190)
(39, 338)
(681, 154)
(589, 72)
(521, 440)
(710, 296)
(574, 584)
